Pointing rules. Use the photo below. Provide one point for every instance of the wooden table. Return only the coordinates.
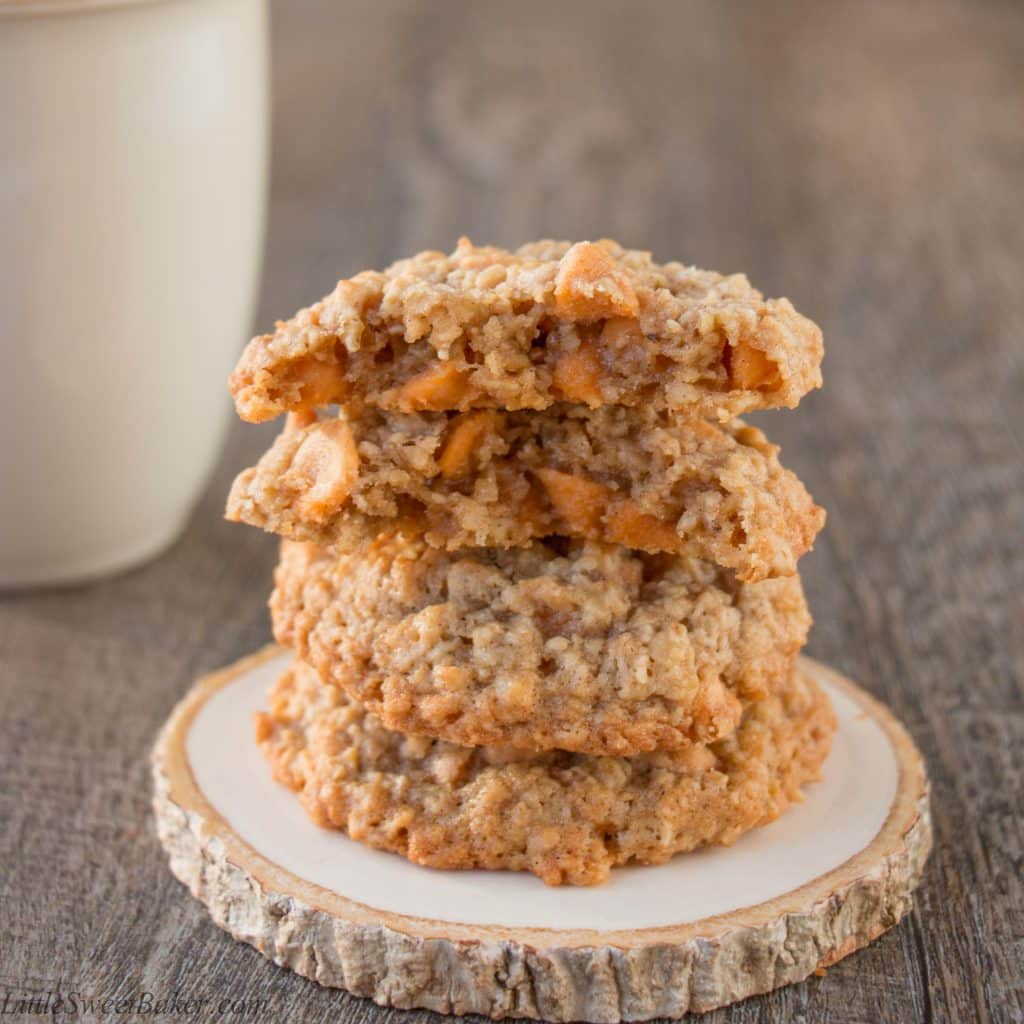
(865, 159)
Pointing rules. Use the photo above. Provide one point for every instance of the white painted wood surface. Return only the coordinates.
(699, 932)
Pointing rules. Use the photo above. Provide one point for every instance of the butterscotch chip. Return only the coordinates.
(591, 285)
(465, 435)
(485, 327)
(323, 470)
(299, 419)
(441, 386)
(577, 373)
(649, 479)
(568, 818)
(316, 469)
(751, 369)
(593, 649)
(579, 502)
(626, 523)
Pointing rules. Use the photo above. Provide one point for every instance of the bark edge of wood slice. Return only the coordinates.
(411, 962)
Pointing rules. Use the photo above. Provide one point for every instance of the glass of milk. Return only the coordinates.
(133, 171)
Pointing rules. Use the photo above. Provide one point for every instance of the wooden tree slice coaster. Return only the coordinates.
(702, 931)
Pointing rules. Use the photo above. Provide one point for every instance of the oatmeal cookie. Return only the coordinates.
(580, 646)
(647, 479)
(487, 328)
(568, 818)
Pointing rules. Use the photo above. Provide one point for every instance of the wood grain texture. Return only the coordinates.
(408, 959)
(865, 159)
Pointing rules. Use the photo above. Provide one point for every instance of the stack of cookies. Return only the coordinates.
(540, 584)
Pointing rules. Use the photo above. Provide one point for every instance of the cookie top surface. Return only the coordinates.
(583, 646)
(568, 818)
(484, 327)
(649, 479)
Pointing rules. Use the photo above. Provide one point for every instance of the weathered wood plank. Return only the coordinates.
(867, 160)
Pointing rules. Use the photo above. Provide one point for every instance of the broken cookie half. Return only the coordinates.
(484, 327)
(650, 480)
